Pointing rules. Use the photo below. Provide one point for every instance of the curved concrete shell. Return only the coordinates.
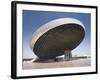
(55, 37)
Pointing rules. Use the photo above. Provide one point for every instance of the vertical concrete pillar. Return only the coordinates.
(67, 55)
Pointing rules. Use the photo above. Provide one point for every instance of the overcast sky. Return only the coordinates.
(32, 20)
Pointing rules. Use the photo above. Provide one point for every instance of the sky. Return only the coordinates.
(32, 20)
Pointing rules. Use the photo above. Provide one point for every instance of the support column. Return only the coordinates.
(67, 55)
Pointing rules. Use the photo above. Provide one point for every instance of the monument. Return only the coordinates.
(57, 37)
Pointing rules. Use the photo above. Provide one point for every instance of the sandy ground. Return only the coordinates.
(62, 64)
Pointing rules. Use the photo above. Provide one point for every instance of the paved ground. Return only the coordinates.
(80, 62)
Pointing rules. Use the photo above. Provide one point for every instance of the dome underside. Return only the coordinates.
(54, 42)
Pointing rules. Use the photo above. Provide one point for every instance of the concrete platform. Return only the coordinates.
(75, 62)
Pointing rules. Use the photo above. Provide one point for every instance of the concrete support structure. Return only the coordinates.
(67, 55)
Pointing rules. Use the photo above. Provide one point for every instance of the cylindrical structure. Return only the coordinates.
(57, 36)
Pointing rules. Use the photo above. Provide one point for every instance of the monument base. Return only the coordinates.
(67, 55)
